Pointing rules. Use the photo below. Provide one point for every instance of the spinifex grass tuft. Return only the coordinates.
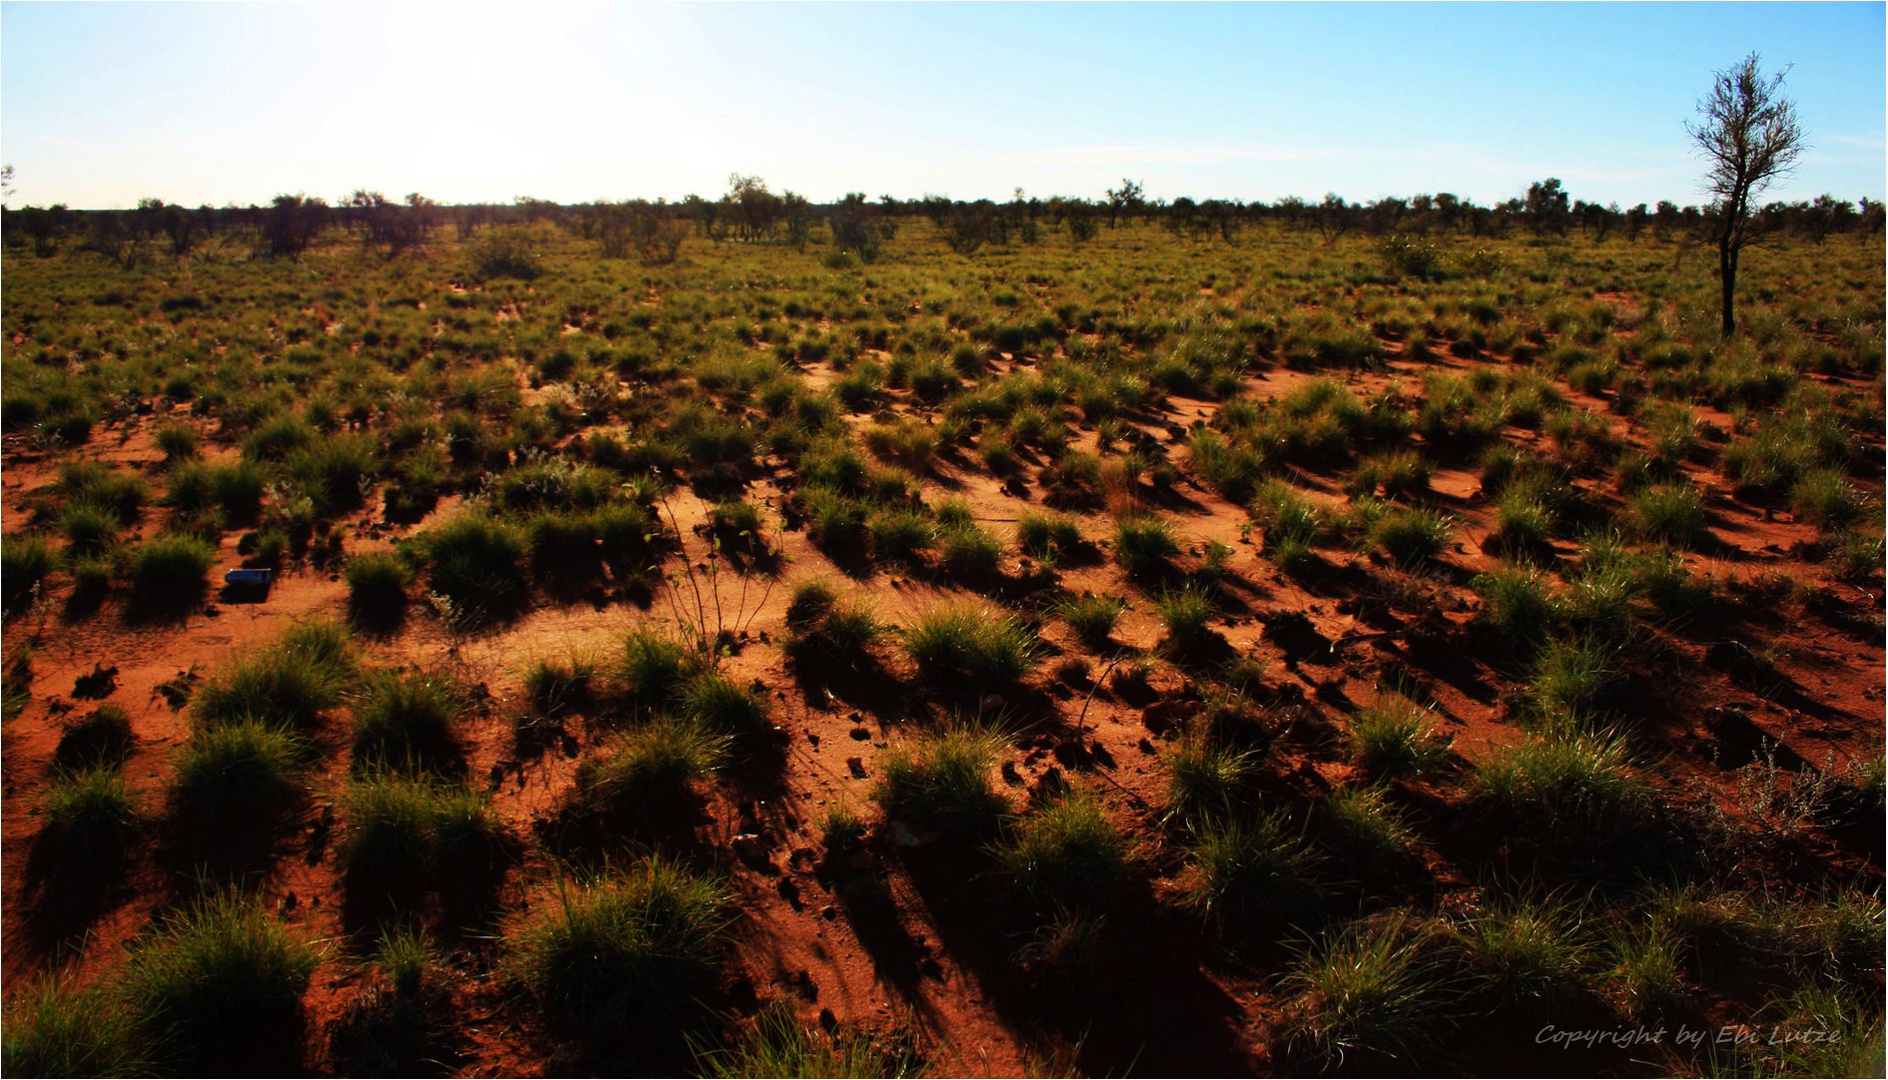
(224, 964)
(942, 783)
(1394, 738)
(636, 943)
(1374, 993)
(953, 646)
(1067, 854)
(649, 766)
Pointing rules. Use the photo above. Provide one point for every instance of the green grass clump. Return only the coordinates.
(222, 966)
(649, 766)
(1291, 526)
(406, 825)
(1669, 514)
(958, 646)
(654, 666)
(1067, 854)
(1565, 774)
(1535, 955)
(305, 673)
(1091, 617)
(1363, 828)
(1375, 993)
(1826, 499)
(899, 533)
(717, 704)
(477, 562)
(942, 784)
(406, 719)
(97, 483)
(1204, 778)
(1412, 537)
(778, 1045)
(24, 563)
(170, 572)
(1394, 738)
(89, 528)
(179, 442)
(376, 586)
(968, 548)
(624, 945)
(1517, 602)
(56, 1028)
(1249, 873)
(1645, 971)
(1575, 678)
(818, 625)
(92, 809)
(1044, 533)
(1144, 546)
(1185, 614)
(239, 770)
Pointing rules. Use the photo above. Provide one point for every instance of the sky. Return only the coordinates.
(104, 104)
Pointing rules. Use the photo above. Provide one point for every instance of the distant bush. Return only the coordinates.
(511, 251)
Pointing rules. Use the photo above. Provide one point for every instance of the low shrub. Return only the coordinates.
(415, 826)
(942, 784)
(1248, 873)
(1394, 738)
(1067, 854)
(967, 646)
(1144, 546)
(635, 944)
(222, 970)
(170, 572)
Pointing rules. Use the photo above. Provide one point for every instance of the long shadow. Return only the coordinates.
(1151, 1002)
(69, 887)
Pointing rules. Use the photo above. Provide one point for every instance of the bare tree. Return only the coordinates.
(1749, 136)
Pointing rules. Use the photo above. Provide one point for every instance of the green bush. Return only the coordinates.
(377, 582)
(406, 719)
(1376, 993)
(1671, 514)
(1250, 872)
(958, 646)
(24, 563)
(1067, 854)
(649, 767)
(1204, 777)
(240, 771)
(408, 826)
(1393, 738)
(636, 944)
(477, 563)
(1565, 775)
(1144, 546)
(942, 784)
(717, 704)
(93, 810)
(59, 1029)
(1411, 537)
(1091, 617)
(170, 572)
(222, 967)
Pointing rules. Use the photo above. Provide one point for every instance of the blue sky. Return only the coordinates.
(101, 104)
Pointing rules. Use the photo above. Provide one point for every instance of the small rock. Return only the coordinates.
(812, 738)
(857, 767)
(829, 913)
(827, 1021)
(861, 734)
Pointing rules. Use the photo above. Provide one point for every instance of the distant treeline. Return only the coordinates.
(750, 212)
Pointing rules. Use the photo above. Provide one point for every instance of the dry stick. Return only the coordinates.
(1081, 728)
